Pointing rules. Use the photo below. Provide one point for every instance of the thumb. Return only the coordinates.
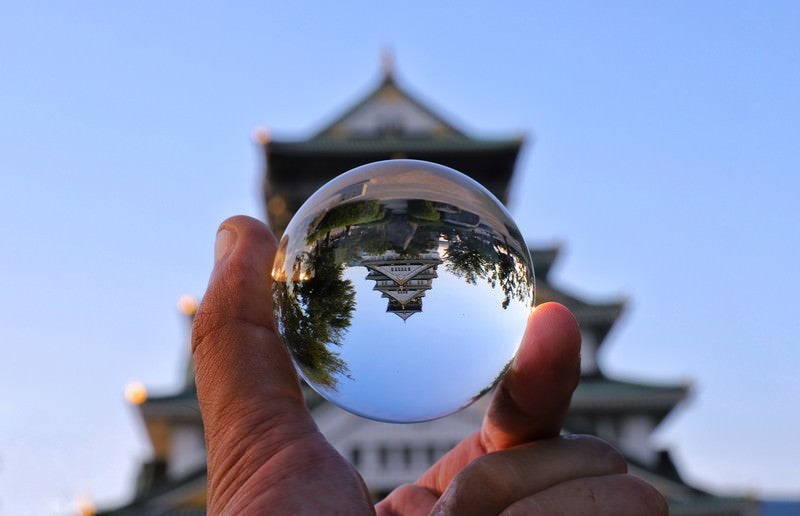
(248, 390)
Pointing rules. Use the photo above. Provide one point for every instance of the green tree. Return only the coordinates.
(344, 216)
(472, 256)
(314, 315)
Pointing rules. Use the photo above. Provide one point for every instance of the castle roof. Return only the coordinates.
(388, 122)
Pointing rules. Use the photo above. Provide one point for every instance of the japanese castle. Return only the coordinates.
(391, 122)
(402, 281)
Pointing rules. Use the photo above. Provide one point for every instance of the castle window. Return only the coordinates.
(433, 455)
(355, 456)
(383, 456)
(407, 455)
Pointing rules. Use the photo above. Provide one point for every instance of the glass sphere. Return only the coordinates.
(402, 289)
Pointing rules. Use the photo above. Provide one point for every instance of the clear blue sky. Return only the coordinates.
(662, 156)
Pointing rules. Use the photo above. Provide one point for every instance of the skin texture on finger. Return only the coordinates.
(612, 495)
(238, 357)
(407, 500)
(265, 453)
(494, 481)
(531, 401)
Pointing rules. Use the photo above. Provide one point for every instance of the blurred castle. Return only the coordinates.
(389, 122)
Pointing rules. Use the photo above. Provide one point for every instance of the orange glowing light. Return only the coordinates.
(187, 304)
(261, 135)
(136, 393)
(84, 506)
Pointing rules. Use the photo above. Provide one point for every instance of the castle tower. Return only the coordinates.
(389, 122)
(401, 280)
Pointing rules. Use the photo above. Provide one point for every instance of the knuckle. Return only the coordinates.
(646, 496)
(613, 459)
(485, 477)
(604, 454)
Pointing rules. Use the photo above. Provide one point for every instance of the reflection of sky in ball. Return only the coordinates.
(436, 361)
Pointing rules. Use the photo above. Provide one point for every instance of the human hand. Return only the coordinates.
(517, 462)
(266, 455)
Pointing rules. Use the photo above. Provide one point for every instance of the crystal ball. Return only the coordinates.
(402, 289)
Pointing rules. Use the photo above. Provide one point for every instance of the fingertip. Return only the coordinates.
(248, 228)
(552, 342)
(532, 399)
(244, 250)
(240, 284)
(558, 316)
(550, 325)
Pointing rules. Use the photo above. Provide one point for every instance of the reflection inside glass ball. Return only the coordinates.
(402, 289)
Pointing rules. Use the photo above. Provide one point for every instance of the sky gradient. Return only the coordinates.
(661, 155)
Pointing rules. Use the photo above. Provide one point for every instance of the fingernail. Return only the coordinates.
(226, 239)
